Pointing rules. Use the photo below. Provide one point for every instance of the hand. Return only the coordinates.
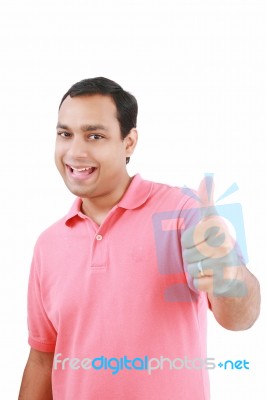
(209, 250)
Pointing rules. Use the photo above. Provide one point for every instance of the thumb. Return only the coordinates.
(206, 196)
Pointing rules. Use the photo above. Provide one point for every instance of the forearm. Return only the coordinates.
(36, 382)
(238, 313)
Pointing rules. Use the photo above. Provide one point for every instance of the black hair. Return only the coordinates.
(126, 104)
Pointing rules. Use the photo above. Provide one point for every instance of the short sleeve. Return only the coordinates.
(42, 335)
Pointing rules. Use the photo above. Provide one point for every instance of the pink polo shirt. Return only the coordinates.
(115, 304)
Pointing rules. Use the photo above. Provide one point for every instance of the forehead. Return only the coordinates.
(88, 109)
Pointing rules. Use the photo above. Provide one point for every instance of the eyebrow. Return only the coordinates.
(84, 128)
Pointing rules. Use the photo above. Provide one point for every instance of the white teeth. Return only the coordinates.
(81, 169)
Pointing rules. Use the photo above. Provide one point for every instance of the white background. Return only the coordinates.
(197, 68)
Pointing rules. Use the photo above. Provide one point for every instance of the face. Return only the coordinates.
(90, 153)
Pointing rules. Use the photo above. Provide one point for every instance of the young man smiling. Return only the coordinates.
(96, 291)
(100, 177)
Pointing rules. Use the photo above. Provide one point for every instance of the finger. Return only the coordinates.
(220, 265)
(206, 190)
(213, 243)
(223, 283)
(193, 255)
(209, 237)
(204, 284)
(206, 196)
(227, 268)
(195, 271)
(187, 238)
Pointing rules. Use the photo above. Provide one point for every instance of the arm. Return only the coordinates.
(36, 381)
(217, 267)
(238, 313)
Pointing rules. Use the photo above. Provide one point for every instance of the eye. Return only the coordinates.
(96, 137)
(64, 134)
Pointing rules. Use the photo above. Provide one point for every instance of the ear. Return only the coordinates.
(130, 141)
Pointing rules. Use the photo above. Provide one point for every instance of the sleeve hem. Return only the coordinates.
(40, 346)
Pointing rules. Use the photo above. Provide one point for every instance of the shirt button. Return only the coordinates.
(99, 237)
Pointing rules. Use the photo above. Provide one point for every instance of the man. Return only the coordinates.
(119, 288)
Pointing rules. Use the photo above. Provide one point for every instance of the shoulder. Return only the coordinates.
(60, 228)
(52, 232)
(182, 197)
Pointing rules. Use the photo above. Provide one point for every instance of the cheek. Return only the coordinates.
(113, 161)
(57, 163)
(109, 154)
(58, 154)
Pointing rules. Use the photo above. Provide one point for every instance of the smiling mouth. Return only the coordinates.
(85, 171)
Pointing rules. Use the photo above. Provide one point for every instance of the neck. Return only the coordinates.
(98, 207)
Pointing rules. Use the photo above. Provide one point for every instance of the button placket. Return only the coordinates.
(99, 252)
(99, 256)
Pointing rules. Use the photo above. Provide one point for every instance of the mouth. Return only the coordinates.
(80, 172)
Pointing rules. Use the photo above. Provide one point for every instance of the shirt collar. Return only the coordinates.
(136, 194)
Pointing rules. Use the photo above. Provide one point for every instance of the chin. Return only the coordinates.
(78, 191)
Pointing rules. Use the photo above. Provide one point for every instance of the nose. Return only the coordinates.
(78, 148)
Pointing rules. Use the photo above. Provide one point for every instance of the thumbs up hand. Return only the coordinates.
(209, 250)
